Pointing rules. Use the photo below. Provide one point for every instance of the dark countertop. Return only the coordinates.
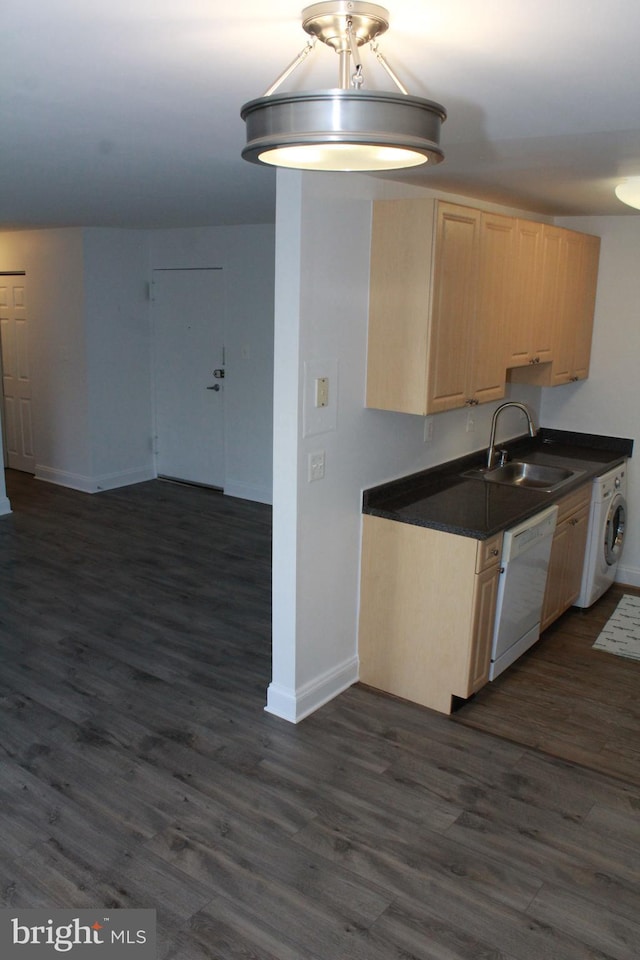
(443, 499)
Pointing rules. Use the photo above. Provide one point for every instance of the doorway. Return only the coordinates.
(15, 366)
(188, 318)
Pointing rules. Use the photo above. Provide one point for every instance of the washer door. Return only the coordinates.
(614, 529)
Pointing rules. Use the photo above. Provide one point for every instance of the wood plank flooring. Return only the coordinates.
(565, 698)
(139, 768)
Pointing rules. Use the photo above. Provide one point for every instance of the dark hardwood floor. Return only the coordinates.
(139, 768)
(567, 699)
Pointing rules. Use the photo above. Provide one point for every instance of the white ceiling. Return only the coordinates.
(126, 112)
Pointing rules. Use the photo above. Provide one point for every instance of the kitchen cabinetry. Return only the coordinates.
(436, 310)
(427, 608)
(495, 306)
(578, 276)
(567, 555)
(459, 296)
(399, 305)
(568, 293)
(529, 331)
(453, 308)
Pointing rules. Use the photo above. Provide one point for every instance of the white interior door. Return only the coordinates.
(16, 374)
(188, 312)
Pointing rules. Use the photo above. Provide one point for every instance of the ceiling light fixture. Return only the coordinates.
(629, 192)
(346, 128)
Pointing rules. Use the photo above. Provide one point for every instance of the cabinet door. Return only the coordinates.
(564, 575)
(584, 322)
(553, 605)
(578, 279)
(399, 303)
(529, 340)
(579, 525)
(570, 297)
(486, 367)
(568, 291)
(522, 334)
(550, 290)
(484, 615)
(453, 306)
(542, 323)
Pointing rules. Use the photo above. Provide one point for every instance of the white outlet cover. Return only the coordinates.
(316, 466)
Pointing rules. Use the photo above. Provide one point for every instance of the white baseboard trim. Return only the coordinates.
(629, 575)
(281, 702)
(295, 705)
(247, 491)
(63, 479)
(5, 506)
(109, 481)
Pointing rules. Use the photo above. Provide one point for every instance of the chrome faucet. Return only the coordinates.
(491, 454)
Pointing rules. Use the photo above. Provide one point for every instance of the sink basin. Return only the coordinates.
(528, 474)
(519, 473)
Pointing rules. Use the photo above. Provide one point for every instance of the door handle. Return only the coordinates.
(215, 387)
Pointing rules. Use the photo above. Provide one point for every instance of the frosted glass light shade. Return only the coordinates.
(629, 192)
(342, 156)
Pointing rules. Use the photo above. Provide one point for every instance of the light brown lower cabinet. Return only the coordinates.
(567, 555)
(427, 607)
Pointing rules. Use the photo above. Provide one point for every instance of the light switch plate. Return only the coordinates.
(319, 419)
(322, 391)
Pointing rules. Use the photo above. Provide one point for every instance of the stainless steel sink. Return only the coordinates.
(520, 473)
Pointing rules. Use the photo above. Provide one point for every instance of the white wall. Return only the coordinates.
(118, 344)
(53, 262)
(246, 255)
(322, 271)
(91, 348)
(609, 401)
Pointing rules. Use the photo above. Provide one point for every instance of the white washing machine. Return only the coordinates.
(605, 538)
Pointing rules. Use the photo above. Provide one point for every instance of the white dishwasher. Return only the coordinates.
(523, 576)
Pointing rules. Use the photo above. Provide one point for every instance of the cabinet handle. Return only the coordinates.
(495, 552)
(573, 521)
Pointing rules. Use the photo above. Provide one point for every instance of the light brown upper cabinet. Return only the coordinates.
(495, 307)
(528, 333)
(400, 305)
(574, 324)
(435, 313)
(569, 281)
(458, 295)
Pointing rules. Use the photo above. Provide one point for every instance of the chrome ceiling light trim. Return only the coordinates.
(346, 128)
